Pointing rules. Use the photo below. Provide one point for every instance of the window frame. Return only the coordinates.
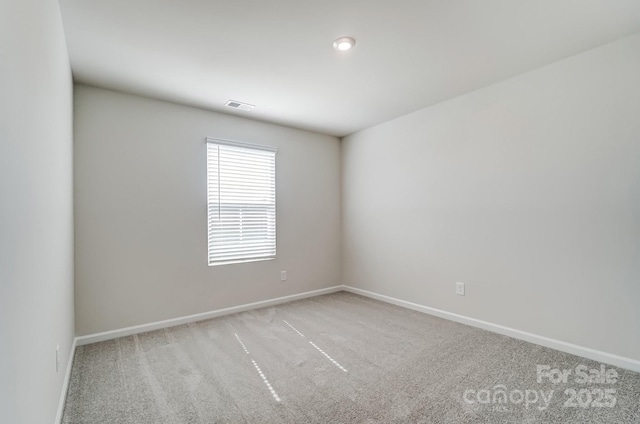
(250, 207)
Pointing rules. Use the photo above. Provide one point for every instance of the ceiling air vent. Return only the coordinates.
(239, 105)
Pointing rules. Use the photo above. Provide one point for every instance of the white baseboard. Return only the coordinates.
(65, 383)
(113, 334)
(585, 352)
(596, 355)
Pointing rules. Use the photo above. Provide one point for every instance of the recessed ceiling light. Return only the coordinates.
(344, 43)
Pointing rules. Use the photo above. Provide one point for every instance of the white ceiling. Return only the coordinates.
(278, 55)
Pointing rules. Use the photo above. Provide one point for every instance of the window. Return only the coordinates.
(241, 201)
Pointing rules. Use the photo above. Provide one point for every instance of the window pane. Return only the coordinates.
(241, 202)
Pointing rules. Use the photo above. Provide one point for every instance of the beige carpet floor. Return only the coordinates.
(340, 358)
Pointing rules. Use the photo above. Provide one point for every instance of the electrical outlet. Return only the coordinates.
(283, 275)
(460, 289)
(57, 358)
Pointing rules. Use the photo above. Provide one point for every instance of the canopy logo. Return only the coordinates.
(500, 397)
(581, 397)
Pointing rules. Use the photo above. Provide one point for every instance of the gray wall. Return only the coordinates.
(140, 207)
(36, 221)
(528, 191)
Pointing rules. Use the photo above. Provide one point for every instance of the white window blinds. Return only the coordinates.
(241, 198)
